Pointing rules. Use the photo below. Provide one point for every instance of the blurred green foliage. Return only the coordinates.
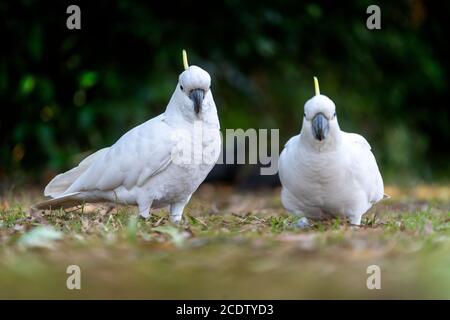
(65, 92)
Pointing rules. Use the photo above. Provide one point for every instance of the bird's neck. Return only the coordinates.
(208, 115)
(330, 144)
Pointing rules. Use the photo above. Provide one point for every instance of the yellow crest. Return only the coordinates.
(185, 60)
(316, 86)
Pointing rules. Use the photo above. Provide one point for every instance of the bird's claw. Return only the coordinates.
(302, 223)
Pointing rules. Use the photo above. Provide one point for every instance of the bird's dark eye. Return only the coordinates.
(334, 115)
(304, 114)
(181, 87)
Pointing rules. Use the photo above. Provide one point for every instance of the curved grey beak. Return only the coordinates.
(197, 96)
(320, 126)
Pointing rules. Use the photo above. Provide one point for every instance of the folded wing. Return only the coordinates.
(364, 167)
(138, 155)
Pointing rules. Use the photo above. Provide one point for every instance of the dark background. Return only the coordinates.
(65, 93)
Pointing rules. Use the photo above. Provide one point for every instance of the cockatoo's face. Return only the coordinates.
(194, 89)
(319, 120)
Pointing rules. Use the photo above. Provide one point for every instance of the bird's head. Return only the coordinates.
(319, 119)
(194, 88)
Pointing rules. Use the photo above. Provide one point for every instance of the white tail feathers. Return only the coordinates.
(63, 181)
(65, 201)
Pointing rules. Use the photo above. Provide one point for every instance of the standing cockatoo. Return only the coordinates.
(156, 164)
(326, 172)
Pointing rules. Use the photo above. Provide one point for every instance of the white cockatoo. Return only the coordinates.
(326, 172)
(156, 164)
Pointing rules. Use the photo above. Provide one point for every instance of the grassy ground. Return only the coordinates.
(230, 245)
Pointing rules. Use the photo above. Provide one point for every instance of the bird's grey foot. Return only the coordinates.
(303, 223)
(176, 210)
(144, 210)
(355, 220)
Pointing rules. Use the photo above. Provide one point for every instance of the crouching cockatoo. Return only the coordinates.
(156, 164)
(326, 172)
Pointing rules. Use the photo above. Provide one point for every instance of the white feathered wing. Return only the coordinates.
(364, 167)
(138, 155)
